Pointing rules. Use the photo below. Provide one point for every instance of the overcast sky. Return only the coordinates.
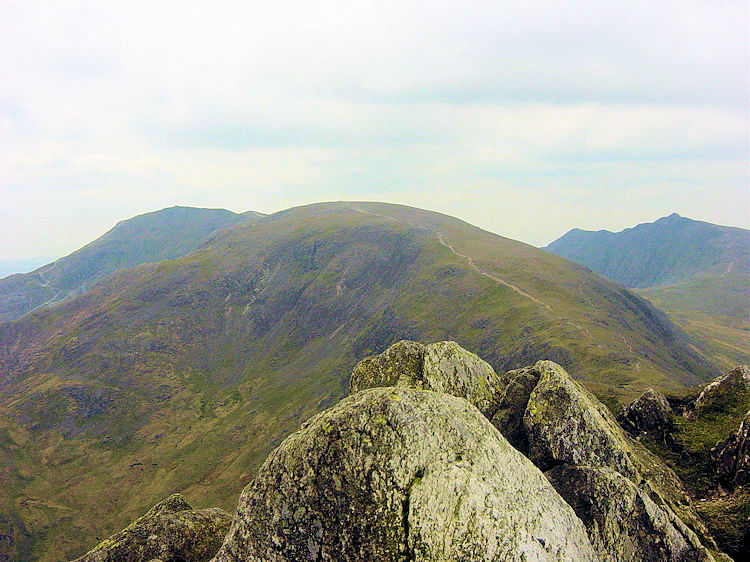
(526, 119)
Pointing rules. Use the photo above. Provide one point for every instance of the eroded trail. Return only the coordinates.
(469, 260)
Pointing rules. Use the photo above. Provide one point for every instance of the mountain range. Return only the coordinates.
(182, 374)
(696, 271)
(161, 235)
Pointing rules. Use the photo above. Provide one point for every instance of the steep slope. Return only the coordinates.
(182, 375)
(671, 250)
(696, 271)
(166, 234)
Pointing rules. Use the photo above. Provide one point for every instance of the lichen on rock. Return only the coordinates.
(566, 424)
(649, 414)
(441, 367)
(399, 365)
(171, 531)
(402, 474)
(623, 522)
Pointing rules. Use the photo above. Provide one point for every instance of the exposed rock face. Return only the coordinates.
(566, 424)
(399, 365)
(170, 531)
(396, 474)
(737, 379)
(509, 416)
(441, 367)
(732, 456)
(650, 414)
(622, 521)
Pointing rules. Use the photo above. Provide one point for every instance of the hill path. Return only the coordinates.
(469, 260)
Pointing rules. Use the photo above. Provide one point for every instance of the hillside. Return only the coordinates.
(182, 375)
(166, 234)
(696, 271)
(671, 250)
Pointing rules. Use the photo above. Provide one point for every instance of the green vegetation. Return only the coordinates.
(182, 375)
(161, 235)
(725, 512)
(697, 272)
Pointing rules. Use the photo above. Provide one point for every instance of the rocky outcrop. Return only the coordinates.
(732, 456)
(553, 420)
(399, 365)
(649, 415)
(442, 367)
(566, 424)
(396, 474)
(735, 381)
(171, 531)
(622, 521)
(511, 408)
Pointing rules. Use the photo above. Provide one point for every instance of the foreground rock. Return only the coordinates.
(622, 521)
(732, 456)
(442, 367)
(170, 531)
(650, 414)
(553, 420)
(726, 386)
(395, 474)
(566, 425)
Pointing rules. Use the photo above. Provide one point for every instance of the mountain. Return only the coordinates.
(434, 456)
(696, 271)
(166, 234)
(9, 267)
(182, 375)
(671, 250)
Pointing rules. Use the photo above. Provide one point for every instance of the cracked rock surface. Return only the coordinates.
(402, 474)
(622, 521)
(441, 367)
(171, 531)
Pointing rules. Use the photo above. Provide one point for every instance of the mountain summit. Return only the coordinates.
(160, 235)
(184, 374)
(670, 250)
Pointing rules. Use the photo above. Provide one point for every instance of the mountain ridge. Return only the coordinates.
(164, 234)
(183, 374)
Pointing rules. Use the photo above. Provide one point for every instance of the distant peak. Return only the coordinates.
(674, 216)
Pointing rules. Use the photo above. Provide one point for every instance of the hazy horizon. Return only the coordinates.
(525, 120)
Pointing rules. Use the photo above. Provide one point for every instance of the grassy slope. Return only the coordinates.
(183, 375)
(699, 273)
(714, 307)
(726, 513)
(166, 234)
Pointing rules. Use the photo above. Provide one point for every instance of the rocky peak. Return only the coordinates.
(736, 380)
(170, 531)
(650, 414)
(732, 456)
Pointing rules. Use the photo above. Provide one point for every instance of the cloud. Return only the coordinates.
(591, 114)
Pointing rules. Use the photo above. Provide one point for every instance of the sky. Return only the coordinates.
(527, 119)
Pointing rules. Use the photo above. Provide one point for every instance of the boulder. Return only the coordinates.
(650, 414)
(622, 521)
(399, 365)
(441, 367)
(732, 456)
(402, 474)
(728, 385)
(508, 418)
(566, 424)
(171, 531)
